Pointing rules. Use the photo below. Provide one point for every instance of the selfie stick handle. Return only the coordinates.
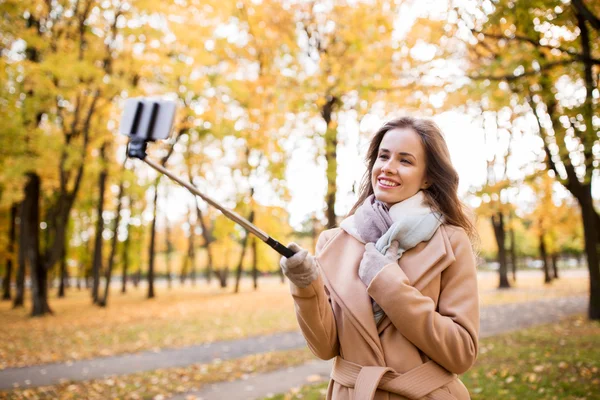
(134, 150)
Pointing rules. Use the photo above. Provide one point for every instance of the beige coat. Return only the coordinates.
(432, 313)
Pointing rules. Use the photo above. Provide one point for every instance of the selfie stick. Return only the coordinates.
(136, 148)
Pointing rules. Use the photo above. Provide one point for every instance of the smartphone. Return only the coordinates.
(147, 118)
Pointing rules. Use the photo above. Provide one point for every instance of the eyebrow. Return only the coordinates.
(402, 153)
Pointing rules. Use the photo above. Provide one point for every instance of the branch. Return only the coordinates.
(589, 16)
(549, 160)
(513, 77)
(535, 43)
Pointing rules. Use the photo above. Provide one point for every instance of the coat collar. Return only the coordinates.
(340, 259)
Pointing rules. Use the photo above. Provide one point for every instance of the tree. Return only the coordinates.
(516, 43)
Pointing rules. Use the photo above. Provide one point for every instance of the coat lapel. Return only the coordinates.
(339, 262)
(427, 260)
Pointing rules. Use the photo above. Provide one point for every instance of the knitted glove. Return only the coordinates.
(373, 261)
(301, 268)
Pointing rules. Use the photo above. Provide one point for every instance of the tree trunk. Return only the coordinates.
(555, 266)
(80, 273)
(192, 251)
(238, 274)
(137, 277)
(254, 263)
(544, 256)
(23, 245)
(152, 244)
(125, 259)
(62, 276)
(590, 233)
(98, 241)
(31, 224)
(513, 253)
(168, 251)
(500, 234)
(113, 245)
(87, 271)
(331, 159)
(207, 243)
(222, 274)
(590, 228)
(11, 249)
(190, 256)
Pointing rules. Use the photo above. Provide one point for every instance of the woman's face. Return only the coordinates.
(400, 169)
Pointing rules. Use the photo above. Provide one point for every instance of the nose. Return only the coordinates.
(387, 168)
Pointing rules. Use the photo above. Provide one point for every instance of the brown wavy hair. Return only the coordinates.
(442, 193)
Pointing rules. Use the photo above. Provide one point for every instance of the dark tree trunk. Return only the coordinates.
(152, 245)
(63, 275)
(500, 234)
(97, 263)
(513, 252)
(222, 274)
(544, 257)
(87, 269)
(590, 228)
(555, 266)
(11, 250)
(30, 224)
(23, 245)
(254, 263)
(590, 232)
(137, 277)
(125, 260)
(238, 274)
(331, 142)
(113, 245)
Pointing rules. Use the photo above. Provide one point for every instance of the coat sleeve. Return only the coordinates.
(449, 334)
(314, 313)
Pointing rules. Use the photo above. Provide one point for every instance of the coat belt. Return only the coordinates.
(424, 381)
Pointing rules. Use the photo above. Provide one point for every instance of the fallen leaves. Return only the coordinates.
(163, 383)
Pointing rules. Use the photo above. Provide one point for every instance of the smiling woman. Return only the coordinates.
(392, 293)
(399, 170)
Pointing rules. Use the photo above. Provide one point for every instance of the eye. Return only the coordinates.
(383, 156)
(406, 161)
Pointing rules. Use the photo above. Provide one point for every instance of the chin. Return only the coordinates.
(387, 199)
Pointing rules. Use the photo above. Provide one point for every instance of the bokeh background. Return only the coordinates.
(277, 100)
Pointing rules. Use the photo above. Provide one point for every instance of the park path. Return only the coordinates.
(495, 319)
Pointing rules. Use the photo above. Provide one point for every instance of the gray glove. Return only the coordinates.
(373, 261)
(301, 268)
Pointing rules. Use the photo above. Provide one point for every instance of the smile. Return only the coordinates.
(386, 183)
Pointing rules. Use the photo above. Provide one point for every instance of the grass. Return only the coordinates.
(556, 361)
(163, 383)
(186, 316)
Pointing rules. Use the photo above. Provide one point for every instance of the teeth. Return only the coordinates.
(388, 183)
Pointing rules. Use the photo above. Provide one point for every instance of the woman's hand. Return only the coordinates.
(373, 261)
(301, 268)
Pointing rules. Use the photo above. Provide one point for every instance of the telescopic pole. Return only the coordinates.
(137, 149)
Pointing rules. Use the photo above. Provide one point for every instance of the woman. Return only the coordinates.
(392, 293)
